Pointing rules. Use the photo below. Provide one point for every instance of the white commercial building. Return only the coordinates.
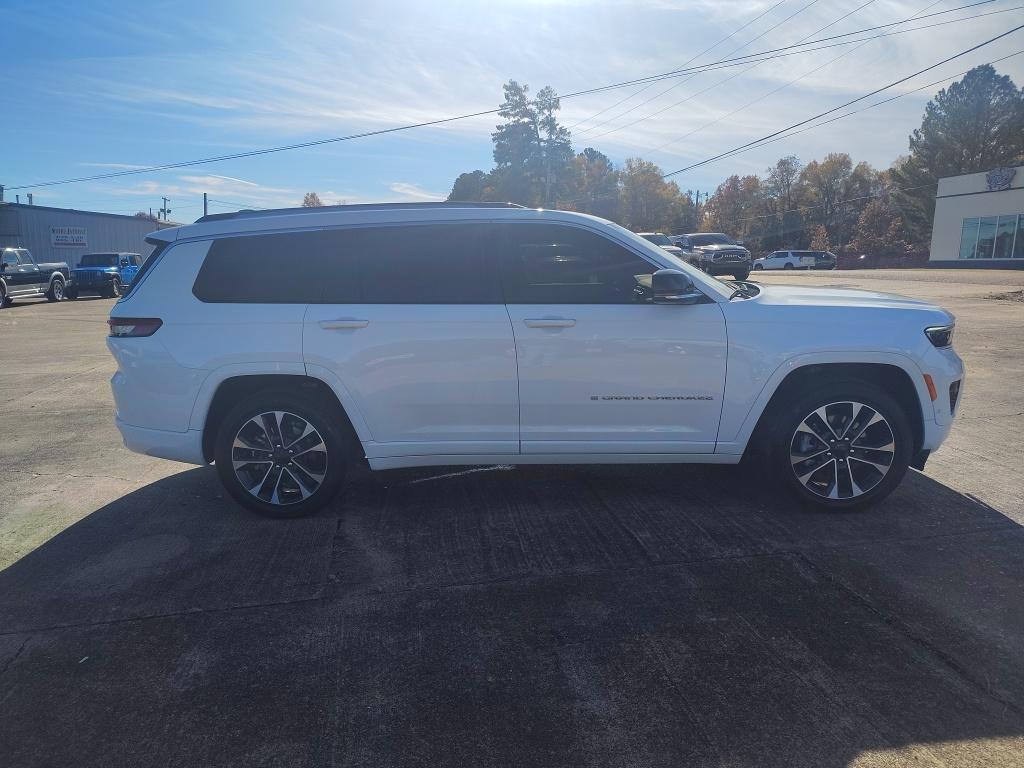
(64, 234)
(979, 220)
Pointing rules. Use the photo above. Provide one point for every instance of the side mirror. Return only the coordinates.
(670, 286)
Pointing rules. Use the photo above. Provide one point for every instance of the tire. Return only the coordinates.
(787, 266)
(302, 487)
(874, 461)
(742, 275)
(71, 293)
(758, 268)
(56, 292)
(114, 290)
(4, 301)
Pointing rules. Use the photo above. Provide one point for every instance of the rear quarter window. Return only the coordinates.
(282, 268)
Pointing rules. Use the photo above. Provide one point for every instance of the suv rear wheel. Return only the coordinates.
(845, 445)
(281, 455)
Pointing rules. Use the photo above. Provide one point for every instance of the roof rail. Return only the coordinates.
(251, 214)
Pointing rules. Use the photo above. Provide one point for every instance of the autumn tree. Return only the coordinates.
(735, 207)
(974, 125)
(880, 230)
(311, 200)
(819, 239)
(595, 185)
(473, 186)
(647, 201)
(782, 191)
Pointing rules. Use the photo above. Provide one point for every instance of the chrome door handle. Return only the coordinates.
(335, 325)
(549, 322)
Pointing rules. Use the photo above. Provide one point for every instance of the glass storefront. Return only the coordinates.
(993, 237)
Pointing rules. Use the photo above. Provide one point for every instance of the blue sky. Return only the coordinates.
(90, 87)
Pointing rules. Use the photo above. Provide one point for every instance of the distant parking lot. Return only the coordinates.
(541, 616)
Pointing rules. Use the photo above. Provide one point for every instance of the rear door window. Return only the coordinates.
(559, 264)
(434, 264)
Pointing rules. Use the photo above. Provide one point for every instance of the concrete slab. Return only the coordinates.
(540, 616)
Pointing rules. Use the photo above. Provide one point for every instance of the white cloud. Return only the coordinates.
(407, 191)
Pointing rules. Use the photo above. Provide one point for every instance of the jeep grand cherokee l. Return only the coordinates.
(286, 345)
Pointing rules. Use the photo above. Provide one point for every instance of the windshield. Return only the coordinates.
(657, 239)
(698, 277)
(98, 260)
(711, 238)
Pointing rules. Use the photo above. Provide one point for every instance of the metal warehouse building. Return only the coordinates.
(64, 234)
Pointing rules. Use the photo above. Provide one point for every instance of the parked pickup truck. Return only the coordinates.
(21, 276)
(106, 274)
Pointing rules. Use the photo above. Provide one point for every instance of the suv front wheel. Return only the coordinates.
(844, 446)
(280, 455)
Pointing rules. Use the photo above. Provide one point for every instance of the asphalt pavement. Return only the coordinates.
(537, 616)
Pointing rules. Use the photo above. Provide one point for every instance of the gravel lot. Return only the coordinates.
(642, 616)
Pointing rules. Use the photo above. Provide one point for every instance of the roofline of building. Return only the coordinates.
(5, 203)
(981, 173)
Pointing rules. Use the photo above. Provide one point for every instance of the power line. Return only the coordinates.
(848, 103)
(872, 106)
(781, 87)
(688, 79)
(768, 55)
(733, 76)
(235, 203)
(747, 58)
(685, 64)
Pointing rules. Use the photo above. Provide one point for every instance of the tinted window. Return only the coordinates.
(436, 264)
(657, 239)
(263, 269)
(151, 261)
(26, 258)
(713, 238)
(555, 264)
(98, 260)
(10, 258)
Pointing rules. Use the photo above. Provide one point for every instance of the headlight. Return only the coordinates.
(940, 335)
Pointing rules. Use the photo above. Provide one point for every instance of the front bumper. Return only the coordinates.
(727, 267)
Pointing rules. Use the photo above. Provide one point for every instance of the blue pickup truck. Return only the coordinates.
(105, 274)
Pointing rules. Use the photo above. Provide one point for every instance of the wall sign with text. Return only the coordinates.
(68, 237)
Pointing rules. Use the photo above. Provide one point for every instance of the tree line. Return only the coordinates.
(975, 124)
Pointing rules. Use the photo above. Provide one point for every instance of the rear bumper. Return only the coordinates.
(177, 446)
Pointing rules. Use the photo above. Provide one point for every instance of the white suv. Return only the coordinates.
(286, 345)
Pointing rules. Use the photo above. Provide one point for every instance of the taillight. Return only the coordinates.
(133, 327)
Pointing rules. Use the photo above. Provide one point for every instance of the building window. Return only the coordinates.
(993, 237)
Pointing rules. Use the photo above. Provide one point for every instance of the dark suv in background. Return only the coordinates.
(715, 253)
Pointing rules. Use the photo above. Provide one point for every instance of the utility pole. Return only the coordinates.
(165, 210)
(1, 193)
(29, 196)
(204, 203)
